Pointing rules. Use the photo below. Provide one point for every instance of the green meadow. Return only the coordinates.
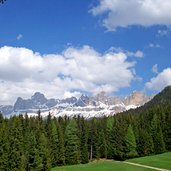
(101, 166)
(159, 161)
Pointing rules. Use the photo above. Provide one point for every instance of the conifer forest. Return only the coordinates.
(39, 144)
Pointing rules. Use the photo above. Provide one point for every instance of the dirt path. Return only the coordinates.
(150, 167)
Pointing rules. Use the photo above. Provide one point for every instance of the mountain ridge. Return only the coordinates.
(87, 106)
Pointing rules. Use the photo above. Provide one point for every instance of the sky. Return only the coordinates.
(65, 48)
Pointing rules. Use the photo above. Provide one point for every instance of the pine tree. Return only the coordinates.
(72, 152)
(56, 144)
(44, 154)
(145, 145)
(109, 138)
(4, 145)
(157, 135)
(83, 141)
(167, 134)
(130, 143)
(117, 150)
(32, 153)
(61, 158)
(94, 140)
(103, 144)
(16, 155)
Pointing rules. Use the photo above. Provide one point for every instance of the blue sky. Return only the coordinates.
(63, 41)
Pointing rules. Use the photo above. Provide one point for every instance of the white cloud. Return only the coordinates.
(138, 53)
(155, 69)
(22, 72)
(162, 80)
(124, 13)
(19, 37)
(69, 94)
(152, 45)
(164, 32)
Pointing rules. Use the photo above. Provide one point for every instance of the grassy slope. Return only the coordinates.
(160, 161)
(101, 166)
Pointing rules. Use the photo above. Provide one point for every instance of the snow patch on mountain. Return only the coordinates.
(96, 106)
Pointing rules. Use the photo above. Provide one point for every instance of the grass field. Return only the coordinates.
(101, 166)
(160, 161)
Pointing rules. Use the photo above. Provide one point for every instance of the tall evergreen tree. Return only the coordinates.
(157, 135)
(117, 150)
(103, 144)
(145, 145)
(32, 152)
(56, 143)
(167, 134)
(44, 154)
(94, 140)
(109, 137)
(83, 140)
(16, 155)
(4, 145)
(72, 152)
(130, 143)
(61, 157)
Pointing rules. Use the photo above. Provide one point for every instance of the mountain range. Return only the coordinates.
(87, 106)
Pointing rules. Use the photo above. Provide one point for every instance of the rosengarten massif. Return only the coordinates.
(68, 74)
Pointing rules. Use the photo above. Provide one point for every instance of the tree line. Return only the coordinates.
(37, 144)
(34, 143)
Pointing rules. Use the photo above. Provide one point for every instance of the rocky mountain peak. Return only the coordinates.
(39, 97)
(98, 105)
(69, 100)
(136, 98)
(19, 99)
(82, 101)
(102, 96)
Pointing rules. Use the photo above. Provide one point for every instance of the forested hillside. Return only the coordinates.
(36, 144)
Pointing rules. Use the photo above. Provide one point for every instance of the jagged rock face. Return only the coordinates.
(51, 103)
(71, 100)
(137, 99)
(38, 98)
(22, 104)
(103, 98)
(95, 106)
(82, 101)
(37, 101)
(7, 109)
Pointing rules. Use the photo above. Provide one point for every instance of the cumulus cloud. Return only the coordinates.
(152, 45)
(164, 32)
(20, 36)
(22, 72)
(69, 94)
(162, 80)
(138, 53)
(155, 69)
(124, 13)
